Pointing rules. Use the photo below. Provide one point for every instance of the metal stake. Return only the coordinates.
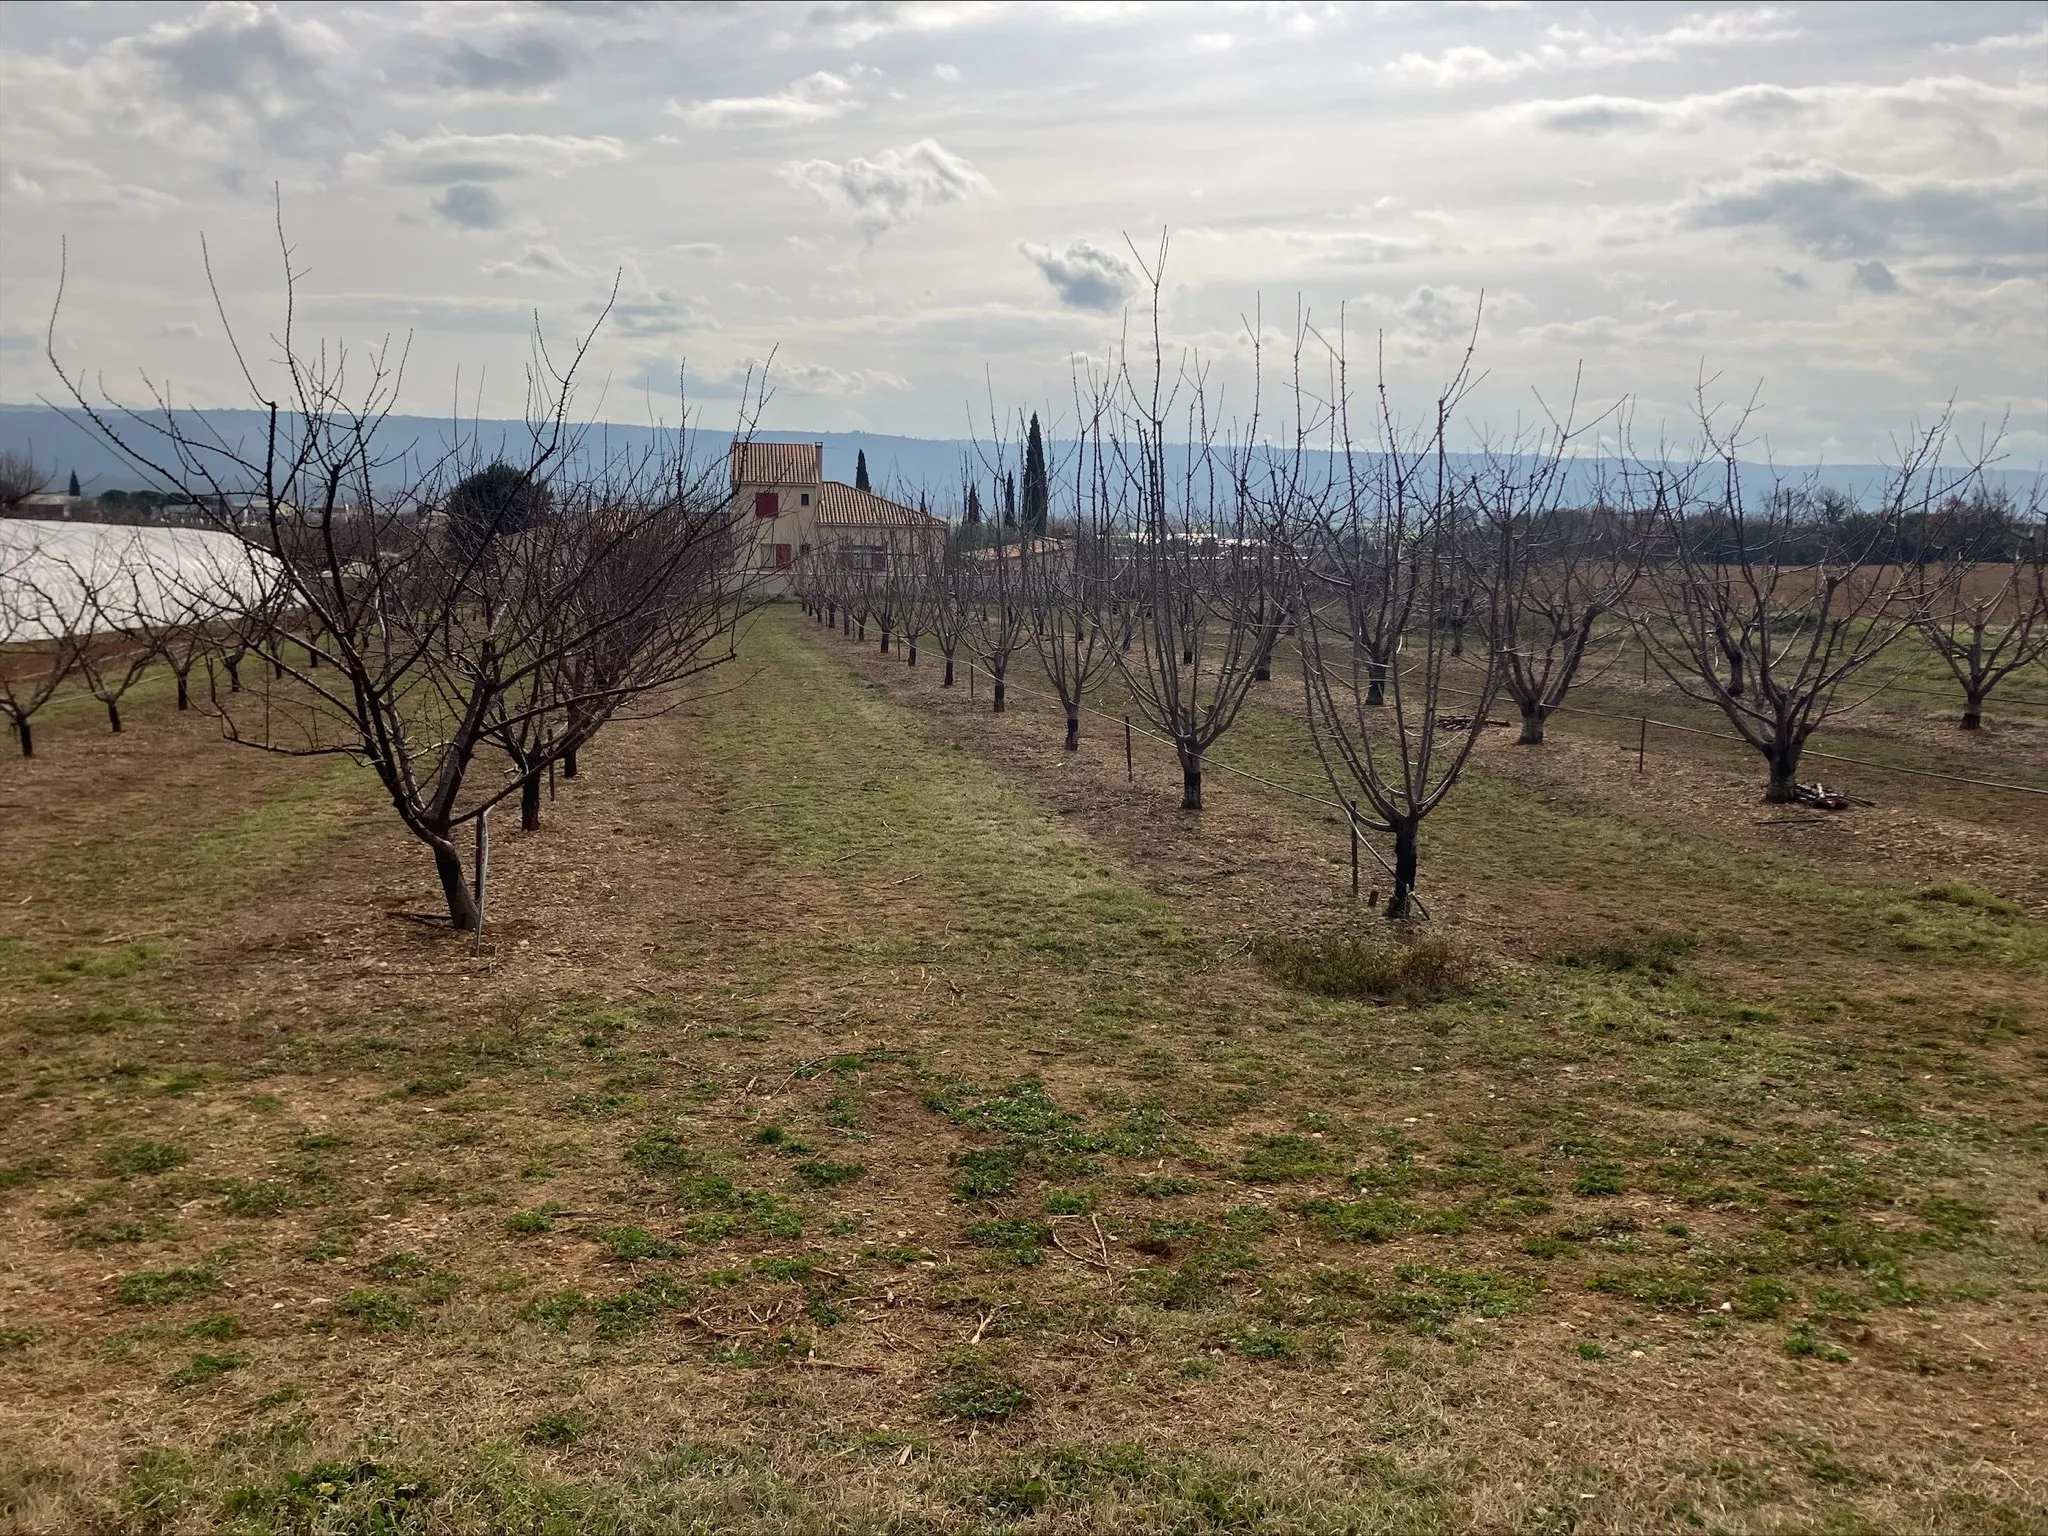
(1130, 772)
(1642, 741)
(483, 865)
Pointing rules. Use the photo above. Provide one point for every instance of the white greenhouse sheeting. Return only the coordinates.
(50, 572)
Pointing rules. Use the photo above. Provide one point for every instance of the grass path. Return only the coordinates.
(902, 1162)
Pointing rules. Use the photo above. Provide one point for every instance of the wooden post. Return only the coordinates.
(483, 864)
(970, 680)
(1642, 741)
(1351, 820)
(1130, 769)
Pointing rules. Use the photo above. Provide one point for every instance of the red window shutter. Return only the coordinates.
(782, 557)
(767, 504)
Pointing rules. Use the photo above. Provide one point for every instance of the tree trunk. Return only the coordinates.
(1784, 788)
(1532, 725)
(949, 674)
(1404, 866)
(277, 663)
(1734, 673)
(1073, 727)
(1973, 710)
(114, 716)
(1190, 779)
(885, 639)
(529, 802)
(184, 694)
(862, 637)
(569, 764)
(913, 650)
(28, 738)
(1375, 683)
(461, 901)
(234, 666)
(999, 693)
(1262, 668)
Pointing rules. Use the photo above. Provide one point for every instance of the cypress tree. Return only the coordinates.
(74, 491)
(1037, 487)
(1009, 501)
(860, 472)
(972, 517)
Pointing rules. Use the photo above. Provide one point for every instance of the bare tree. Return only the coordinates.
(1795, 599)
(1552, 574)
(942, 580)
(433, 633)
(19, 480)
(123, 642)
(1392, 534)
(1987, 617)
(1063, 579)
(1193, 555)
(40, 637)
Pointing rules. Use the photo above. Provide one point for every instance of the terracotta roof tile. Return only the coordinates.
(844, 506)
(777, 463)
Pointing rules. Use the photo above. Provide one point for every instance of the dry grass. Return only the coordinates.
(869, 1118)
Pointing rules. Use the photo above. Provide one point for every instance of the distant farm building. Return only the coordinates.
(797, 515)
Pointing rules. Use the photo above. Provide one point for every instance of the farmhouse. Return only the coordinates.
(797, 515)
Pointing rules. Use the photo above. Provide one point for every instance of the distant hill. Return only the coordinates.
(61, 443)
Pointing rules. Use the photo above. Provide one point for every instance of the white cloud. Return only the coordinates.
(1564, 47)
(2002, 43)
(809, 100)
(854, 23)
(1832, 212)
(898, 185)
(523, 66)
(1084, 275)
(441, 158)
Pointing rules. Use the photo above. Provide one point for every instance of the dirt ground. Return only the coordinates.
(858, 918)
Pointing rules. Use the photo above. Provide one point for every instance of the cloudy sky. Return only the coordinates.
(1845, 205)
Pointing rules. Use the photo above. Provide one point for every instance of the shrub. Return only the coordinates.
(1354, 965)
